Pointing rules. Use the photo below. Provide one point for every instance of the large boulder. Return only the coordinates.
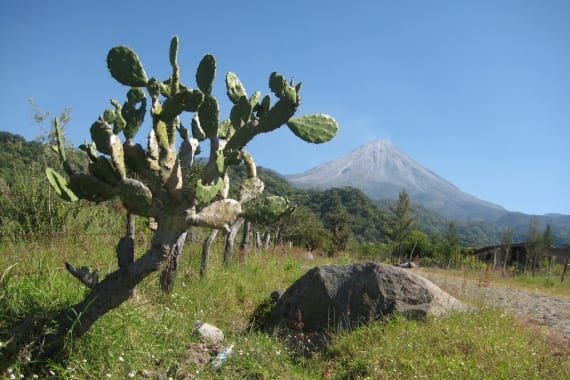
(332, 296)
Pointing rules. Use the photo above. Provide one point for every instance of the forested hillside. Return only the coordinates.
(346, 213)
(29, 208)
(17, 155)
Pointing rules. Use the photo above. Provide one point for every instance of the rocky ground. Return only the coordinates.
(548, 311)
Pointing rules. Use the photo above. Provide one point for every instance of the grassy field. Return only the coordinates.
(152, 337)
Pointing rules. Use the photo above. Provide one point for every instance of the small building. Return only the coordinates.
(520, 254)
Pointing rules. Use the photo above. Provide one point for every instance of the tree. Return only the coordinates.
(506, 241)
(452, 246)
(535, 243)
(153, 182)
(304, 229)
(418, 244)
(548, 242)
(48, 134)
(401, 223)
(339, 223)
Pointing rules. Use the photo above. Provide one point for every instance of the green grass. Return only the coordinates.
(152, 335)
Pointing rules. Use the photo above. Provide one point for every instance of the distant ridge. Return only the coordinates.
(381, 171)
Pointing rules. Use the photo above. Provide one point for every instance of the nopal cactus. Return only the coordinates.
(153, 182)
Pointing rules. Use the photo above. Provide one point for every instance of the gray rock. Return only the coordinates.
(208, 332)
(332, 296)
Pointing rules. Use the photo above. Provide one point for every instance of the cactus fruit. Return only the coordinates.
(314, 128)
(60, 185)
(125, 66)
(235, 89)
(206, 73)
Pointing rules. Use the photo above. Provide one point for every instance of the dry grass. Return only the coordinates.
(540, 284)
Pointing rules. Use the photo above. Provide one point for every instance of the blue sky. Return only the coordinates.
(476, 91)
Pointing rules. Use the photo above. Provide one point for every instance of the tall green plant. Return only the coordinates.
(452, 246)
(401, 223)
(152, 182)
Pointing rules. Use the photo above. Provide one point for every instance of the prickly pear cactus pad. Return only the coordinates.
(60, 185)
(206, 73)
(126, 67)
(315, 128)
(234, 87)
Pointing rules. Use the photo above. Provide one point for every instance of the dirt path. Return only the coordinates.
(552, 312)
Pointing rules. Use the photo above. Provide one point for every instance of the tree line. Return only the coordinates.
(332, 221)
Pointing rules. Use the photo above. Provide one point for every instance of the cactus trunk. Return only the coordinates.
(118, 286)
